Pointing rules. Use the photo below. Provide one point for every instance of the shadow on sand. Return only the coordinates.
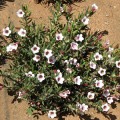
(3, 3)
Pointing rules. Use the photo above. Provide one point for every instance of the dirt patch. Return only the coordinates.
(106, 18)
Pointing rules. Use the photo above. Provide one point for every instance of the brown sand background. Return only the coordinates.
(106, 18)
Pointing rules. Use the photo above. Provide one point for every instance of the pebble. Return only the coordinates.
(114, 6)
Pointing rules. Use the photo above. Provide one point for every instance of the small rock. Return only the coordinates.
(107, 15)
(114, 6)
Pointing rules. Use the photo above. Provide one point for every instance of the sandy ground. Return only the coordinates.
(106, 18)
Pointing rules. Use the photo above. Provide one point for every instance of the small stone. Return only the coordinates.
(114, 6)
(107, 15)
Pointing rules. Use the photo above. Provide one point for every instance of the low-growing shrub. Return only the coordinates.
(61, 69)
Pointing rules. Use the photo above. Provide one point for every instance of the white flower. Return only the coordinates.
(105, 107)
(58, 73)
(64, 94)
(110, 100)
(94, 7)
(73, 61)
(36, 58)
(30, 74)
(79, 37)
(61, 9)
(40, 77)
(98, 56)
(110, 49)
(35, 49)
(77, 80)
(20, 95)
(47, 53)
(102, 71)
(117, 64)
(20, 13)
(106, 93)
(99, 83)
(85, 20)
(51, 60)
(59, 79)
(74, 46)
(66, 62)
(109, 56)
(11, 47)
(59, 36)
(92, 65)
(52, 114)
(69, 70)
(22, 32)
(91, 95)
(83, 107)
(6, 31)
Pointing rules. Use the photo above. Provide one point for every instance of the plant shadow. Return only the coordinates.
(3, 3)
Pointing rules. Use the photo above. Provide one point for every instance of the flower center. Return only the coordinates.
(20, 12)
(51, 113)
(35, 48)
(6, 31)
(37, 57)
(59, 79)
(97, 56)
(119, 64)
(104, 107)
(23, 32)
(58, 37)
(40, 76)
(47, 53)
(98, 84)
(102, 71)
(90, 96)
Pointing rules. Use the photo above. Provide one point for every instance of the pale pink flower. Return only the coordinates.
(102, 71)
(105, 107)
(110, 49)
(92, 65)
(51, 60)
(77, 65)
(69, 70)
(79, 37)
(47, 53)
(66, 62)
(11, 47)
(30, 74)
(85, 20)
(73, 61)
(83, 107)
(77, 80)
(91, 95)
(99, 83)
(36, 58)
(6, 31)
(98, 56)
(110, 100)
(52, 114)
(74, 46)
(22, 32)
(35, 49)
(59, 79)
(64, 94)
(117, 64)
(59, 36)
(106, 93)
(94, 7)
(20, 13)
(41, 77)
(61, 9)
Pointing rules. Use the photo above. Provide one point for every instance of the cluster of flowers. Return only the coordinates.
(59, 77)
